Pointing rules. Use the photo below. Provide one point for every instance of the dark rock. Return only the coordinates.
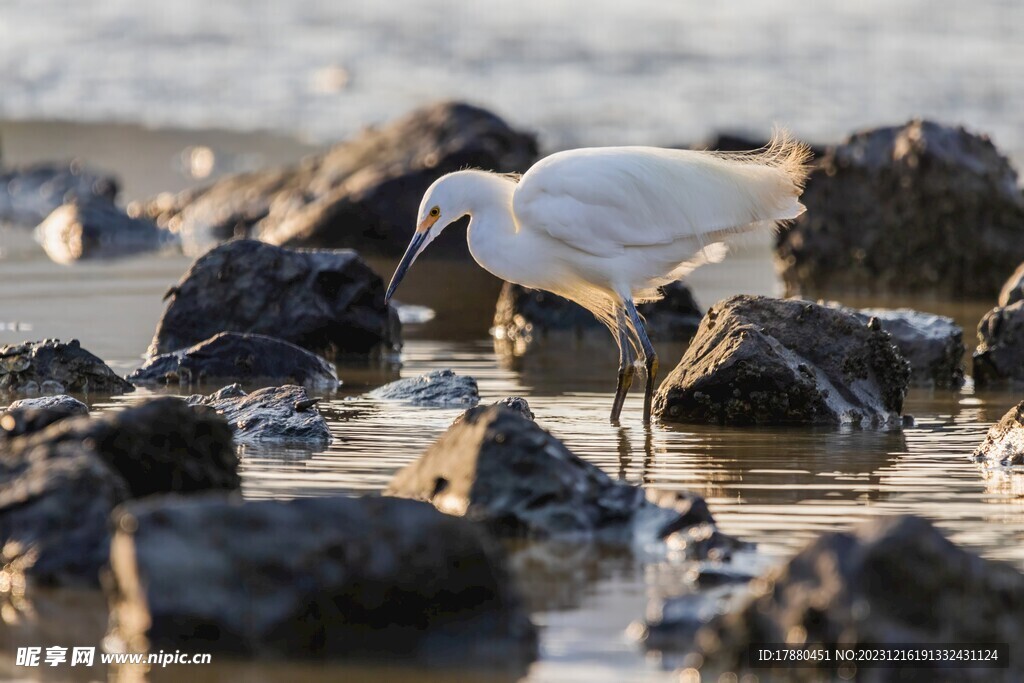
(345, 578)
(161, 445)
(328, 302)
(98, 229)
(932, 343)
(518, 404)
(1004, 443)
(896, 580)
(691, 511)
(500, 469)
(522, 313)
(758, 360)
(235, 356)
(58, 486)
(1013, 289)
(704, 542)
(515, 403)
(920, 207)
(28, 194)
(272, 414)
(999, 356)
(714, 574)
(363, 193)
(51, 367)
(440, 388)
(54, 513)
(35, 414)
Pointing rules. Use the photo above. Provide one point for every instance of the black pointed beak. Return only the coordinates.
(411, 252)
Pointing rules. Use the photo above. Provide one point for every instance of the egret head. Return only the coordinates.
(437, 211)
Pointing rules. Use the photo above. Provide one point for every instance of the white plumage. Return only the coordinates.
(605, 200)
(607, 226)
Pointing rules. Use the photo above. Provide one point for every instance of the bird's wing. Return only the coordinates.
(604, 200)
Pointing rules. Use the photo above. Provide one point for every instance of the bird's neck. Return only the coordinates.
(494, 240)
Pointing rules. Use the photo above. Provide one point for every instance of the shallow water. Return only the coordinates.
(777, 487)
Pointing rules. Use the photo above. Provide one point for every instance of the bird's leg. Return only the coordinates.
(626, 368)
(650, 357)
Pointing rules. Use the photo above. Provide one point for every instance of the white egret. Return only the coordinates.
(606, 227)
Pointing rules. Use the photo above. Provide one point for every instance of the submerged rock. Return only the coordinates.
(52, 367)
(363, 193)
(35, 414)
(54, 513)
(28, 194)
(273, 414)
(341, 578)
(933, 344)
(328, 302)
(758, 360)
(999, 356)
(522, 313)
(1004, 444)
(500, 469)
(98, 229)
(440, 388)
(895, 580)
(919, 207)
(235, 356)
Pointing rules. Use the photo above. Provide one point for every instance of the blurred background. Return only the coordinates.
(577, 73)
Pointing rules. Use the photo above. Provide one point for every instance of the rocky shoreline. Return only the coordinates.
(146, 501)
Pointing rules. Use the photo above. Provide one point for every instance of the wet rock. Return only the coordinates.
(919, 207)
(161, 445)
(328, 302)
(235, 356)
(515, 403)
(999, 356)
(28, 194)
(758, 360)
(1013, 289)
(344, 578)
(895, 580)
(363, 193)
(51, 367)
(1004, 444)
(932, 343)
(62, 402)
(440, 389)
(59, 485)
(273, 414)
(35, 414)
(54, 513)
(523, 313)
(500, 469)
(702, 541)
(98, 229)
